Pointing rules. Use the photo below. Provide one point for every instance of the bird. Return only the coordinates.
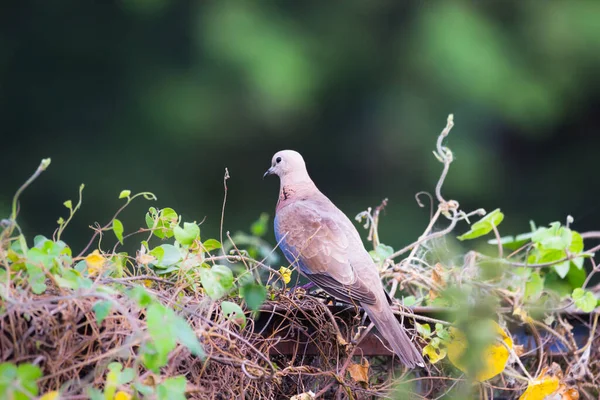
(319, 240)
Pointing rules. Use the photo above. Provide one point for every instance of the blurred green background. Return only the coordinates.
(162, 95)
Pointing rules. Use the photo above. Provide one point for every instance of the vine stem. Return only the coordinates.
(41, 168)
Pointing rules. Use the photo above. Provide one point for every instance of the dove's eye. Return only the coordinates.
(278, 160)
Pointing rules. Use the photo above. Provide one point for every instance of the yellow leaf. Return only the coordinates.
(519, 350)
(519, 312)
(53, 395)
(360, 372)
(494, 356)
(95, 261)
(434, 354)
(538, 389)
(121, 395)
(438, 280)
(570, 394)
(286, 273)
(304, 396)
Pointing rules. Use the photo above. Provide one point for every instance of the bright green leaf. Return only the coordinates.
(423, 329)
(555, 237)
(234, 312)
(140, 295)
(554, 283)
(126, 376)
(409, 301)
(166, 255)
(158, 320)
(37, 278)
(562, 269)
(124, 194)
(584, 300)
(484, 226)
(118, 229)
(152, 358)
(576, 276)
(68, 204)
(211, 244)
(217, 281)
(534, 286)
(167, 220)
(172, 389)
(576, 243)
(187, 337)
(95, 394)
(513, 242)
(384, 251)
(259, 227)
(187, 234)
(254, 295)
(19, 383)
(102, 309)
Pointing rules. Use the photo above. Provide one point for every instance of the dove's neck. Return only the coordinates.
(295, 186)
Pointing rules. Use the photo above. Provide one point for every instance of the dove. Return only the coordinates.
(319, 240)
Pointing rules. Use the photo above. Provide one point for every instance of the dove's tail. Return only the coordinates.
(390, 328)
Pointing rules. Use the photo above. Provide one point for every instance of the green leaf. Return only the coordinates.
(555, 237)
(534, 286)
(28, 375)
(254, 295)
(217, 281)
(39, 256)
(126, 376)
(409, 301)
(187, 337)
(584, 300)
(19, 383)
(554, 283)
(259, 227)
(442, 332)
(576, 245)
(68, 204)
(562, 269)
(576, 276)
(234, 312)
(187, 234)
(172, 389)
(124, 194)
(141, 296)
(152, 359)
(158, 320)
(211, 244)
(143, 389)
(118, 229)
(166, 255)
(102, 309)
(37, 278)
(167, 220)
(484, 226)
(381, 252)
(95, 394)
(72, 279)
(513, 242)
(578, 262)
(150, 216)
(423, 329)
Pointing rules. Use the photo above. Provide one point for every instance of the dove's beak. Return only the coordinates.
(269, 172)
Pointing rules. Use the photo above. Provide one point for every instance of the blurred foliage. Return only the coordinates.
(167, 94)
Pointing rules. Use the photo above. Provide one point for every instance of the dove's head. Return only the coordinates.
(289, 166)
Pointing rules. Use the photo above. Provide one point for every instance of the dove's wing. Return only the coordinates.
(313, 240)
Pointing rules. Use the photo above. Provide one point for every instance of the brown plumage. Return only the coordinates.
(322, 242)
